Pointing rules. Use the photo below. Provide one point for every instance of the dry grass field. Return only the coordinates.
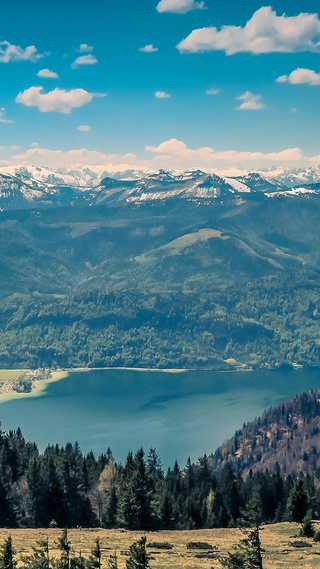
(276, 541)
(9, 374)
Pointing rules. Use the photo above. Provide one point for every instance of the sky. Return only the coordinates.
(172, 84)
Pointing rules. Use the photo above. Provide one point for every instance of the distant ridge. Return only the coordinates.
(25, 187)
(285, 440)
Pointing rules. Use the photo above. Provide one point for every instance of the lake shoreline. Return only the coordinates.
(181, 415)
(40, 386)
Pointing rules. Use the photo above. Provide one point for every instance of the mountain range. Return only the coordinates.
(32, 187)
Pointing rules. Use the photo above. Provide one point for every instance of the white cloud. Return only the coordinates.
(84, 60)
(174, 153)
(265, 32)
(149, 48)
(300, 76)
(179, 6)
(84, 48)
(34, 144)
(161, 95)
(10, 52)
(47, 74)
(81, 156)
(84, 128)
(57, 100)
(170, 154)
(2, 118)
(212, 91)
(251, 102)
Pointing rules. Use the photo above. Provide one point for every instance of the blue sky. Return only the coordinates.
(170, 83)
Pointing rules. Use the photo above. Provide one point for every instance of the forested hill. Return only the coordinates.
(285, 439)
(169, 282)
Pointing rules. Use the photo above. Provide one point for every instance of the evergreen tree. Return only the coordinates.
(138, 557)
(65, 548)
(7, 560)
(247, 554)
(94, 561)
(53, 494)
(229, 491)
(307, 528)
(35, 494)
(297, 503)
(39, 559)
(135, 494)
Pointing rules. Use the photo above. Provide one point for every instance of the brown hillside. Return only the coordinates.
(284, 439)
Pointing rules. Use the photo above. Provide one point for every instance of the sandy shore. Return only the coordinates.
(38, 387)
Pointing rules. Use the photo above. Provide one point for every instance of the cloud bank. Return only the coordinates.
(170, 154)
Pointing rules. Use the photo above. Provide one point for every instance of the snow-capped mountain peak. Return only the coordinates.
(25, 186)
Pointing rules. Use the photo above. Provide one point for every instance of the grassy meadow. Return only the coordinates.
(276, 542)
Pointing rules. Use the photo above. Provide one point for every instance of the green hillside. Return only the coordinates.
(173, 283)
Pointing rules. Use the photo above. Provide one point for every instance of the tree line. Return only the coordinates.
(64, 487)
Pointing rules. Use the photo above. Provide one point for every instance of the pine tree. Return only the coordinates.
(39, 559)
(7, 560)
(297, 503)
(65, 547)
(135, 494)
(247, 554)
(307, 528)
(138, 557)
(95, 557)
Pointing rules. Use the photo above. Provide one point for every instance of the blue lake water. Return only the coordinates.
(181, 414)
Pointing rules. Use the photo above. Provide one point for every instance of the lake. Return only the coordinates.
(181, 414)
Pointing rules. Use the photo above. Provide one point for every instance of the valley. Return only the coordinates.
(188, 271)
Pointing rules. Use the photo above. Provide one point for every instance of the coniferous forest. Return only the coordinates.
(64, 488)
